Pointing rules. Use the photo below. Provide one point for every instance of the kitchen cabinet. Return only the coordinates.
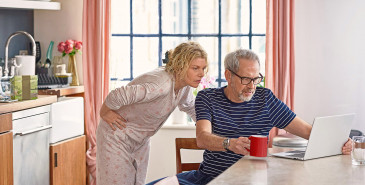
(6, 150)
(8, 113)
(68, 162)
(6, 158)
(72, 91)
(36, 5)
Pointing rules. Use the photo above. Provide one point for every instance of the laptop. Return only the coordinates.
(327, 138)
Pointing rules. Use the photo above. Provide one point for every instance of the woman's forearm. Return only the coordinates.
(104, 109)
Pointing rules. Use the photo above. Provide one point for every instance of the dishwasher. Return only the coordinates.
(31, 129)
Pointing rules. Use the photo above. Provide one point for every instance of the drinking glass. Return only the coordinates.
(358, 150)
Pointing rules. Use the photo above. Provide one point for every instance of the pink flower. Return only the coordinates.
(68, 48)
(70, 42)
(61, 47)
(207, 82)
(78, 45)
(211, 80)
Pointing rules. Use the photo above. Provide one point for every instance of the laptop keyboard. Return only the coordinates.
(299, 155)
(296, 153)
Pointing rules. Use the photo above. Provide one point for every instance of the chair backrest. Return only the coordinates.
(185, 143)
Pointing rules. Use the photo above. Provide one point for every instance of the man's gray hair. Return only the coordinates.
(231, 61)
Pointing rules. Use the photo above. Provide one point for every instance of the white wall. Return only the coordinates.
(329, 47)
(60, 25)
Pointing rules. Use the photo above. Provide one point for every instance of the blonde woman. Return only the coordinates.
(133, 113)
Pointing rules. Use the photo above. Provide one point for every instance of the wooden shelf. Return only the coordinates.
(67, 91)
(34, 5)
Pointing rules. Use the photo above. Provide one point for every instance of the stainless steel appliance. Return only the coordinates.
(31, 146)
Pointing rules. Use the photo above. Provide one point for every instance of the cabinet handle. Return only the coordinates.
(33, 130)
(55, 159)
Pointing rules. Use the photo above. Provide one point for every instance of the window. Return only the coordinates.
(143, 30)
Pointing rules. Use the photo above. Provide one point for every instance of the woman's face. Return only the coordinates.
(195, 72)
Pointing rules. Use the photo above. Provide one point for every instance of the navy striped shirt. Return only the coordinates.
(255, 117)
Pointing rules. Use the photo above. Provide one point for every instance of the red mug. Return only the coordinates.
(258, 146)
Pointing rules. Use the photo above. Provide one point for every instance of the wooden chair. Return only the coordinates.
(185, 143)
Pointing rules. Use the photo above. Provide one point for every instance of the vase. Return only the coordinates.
(72, 68)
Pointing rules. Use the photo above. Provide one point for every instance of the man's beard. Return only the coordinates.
(247, 98)
(241, 96)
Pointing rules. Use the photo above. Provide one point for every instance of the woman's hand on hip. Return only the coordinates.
(112, 118)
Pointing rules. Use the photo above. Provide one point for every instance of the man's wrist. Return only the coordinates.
(226, 143)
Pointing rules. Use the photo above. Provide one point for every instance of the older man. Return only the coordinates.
(227, 116)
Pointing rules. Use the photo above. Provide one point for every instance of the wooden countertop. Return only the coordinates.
(26, 104)
(67, 91)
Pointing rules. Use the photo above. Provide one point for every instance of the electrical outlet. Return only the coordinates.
(23, 52)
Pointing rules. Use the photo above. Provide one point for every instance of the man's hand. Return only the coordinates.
(347, 148)
(112, 118)
(240, 145)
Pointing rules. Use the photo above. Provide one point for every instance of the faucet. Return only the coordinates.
(6, 70)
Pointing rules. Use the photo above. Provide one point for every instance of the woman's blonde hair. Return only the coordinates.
(180, 58)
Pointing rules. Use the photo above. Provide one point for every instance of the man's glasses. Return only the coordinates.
(248, 80)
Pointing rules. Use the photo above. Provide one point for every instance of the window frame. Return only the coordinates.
(188, 35)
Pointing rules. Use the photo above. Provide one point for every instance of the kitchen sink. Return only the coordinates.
(67, 118)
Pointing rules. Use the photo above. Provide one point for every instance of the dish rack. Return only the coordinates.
(46, 81)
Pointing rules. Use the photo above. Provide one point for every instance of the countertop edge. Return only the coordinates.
(27, 104)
